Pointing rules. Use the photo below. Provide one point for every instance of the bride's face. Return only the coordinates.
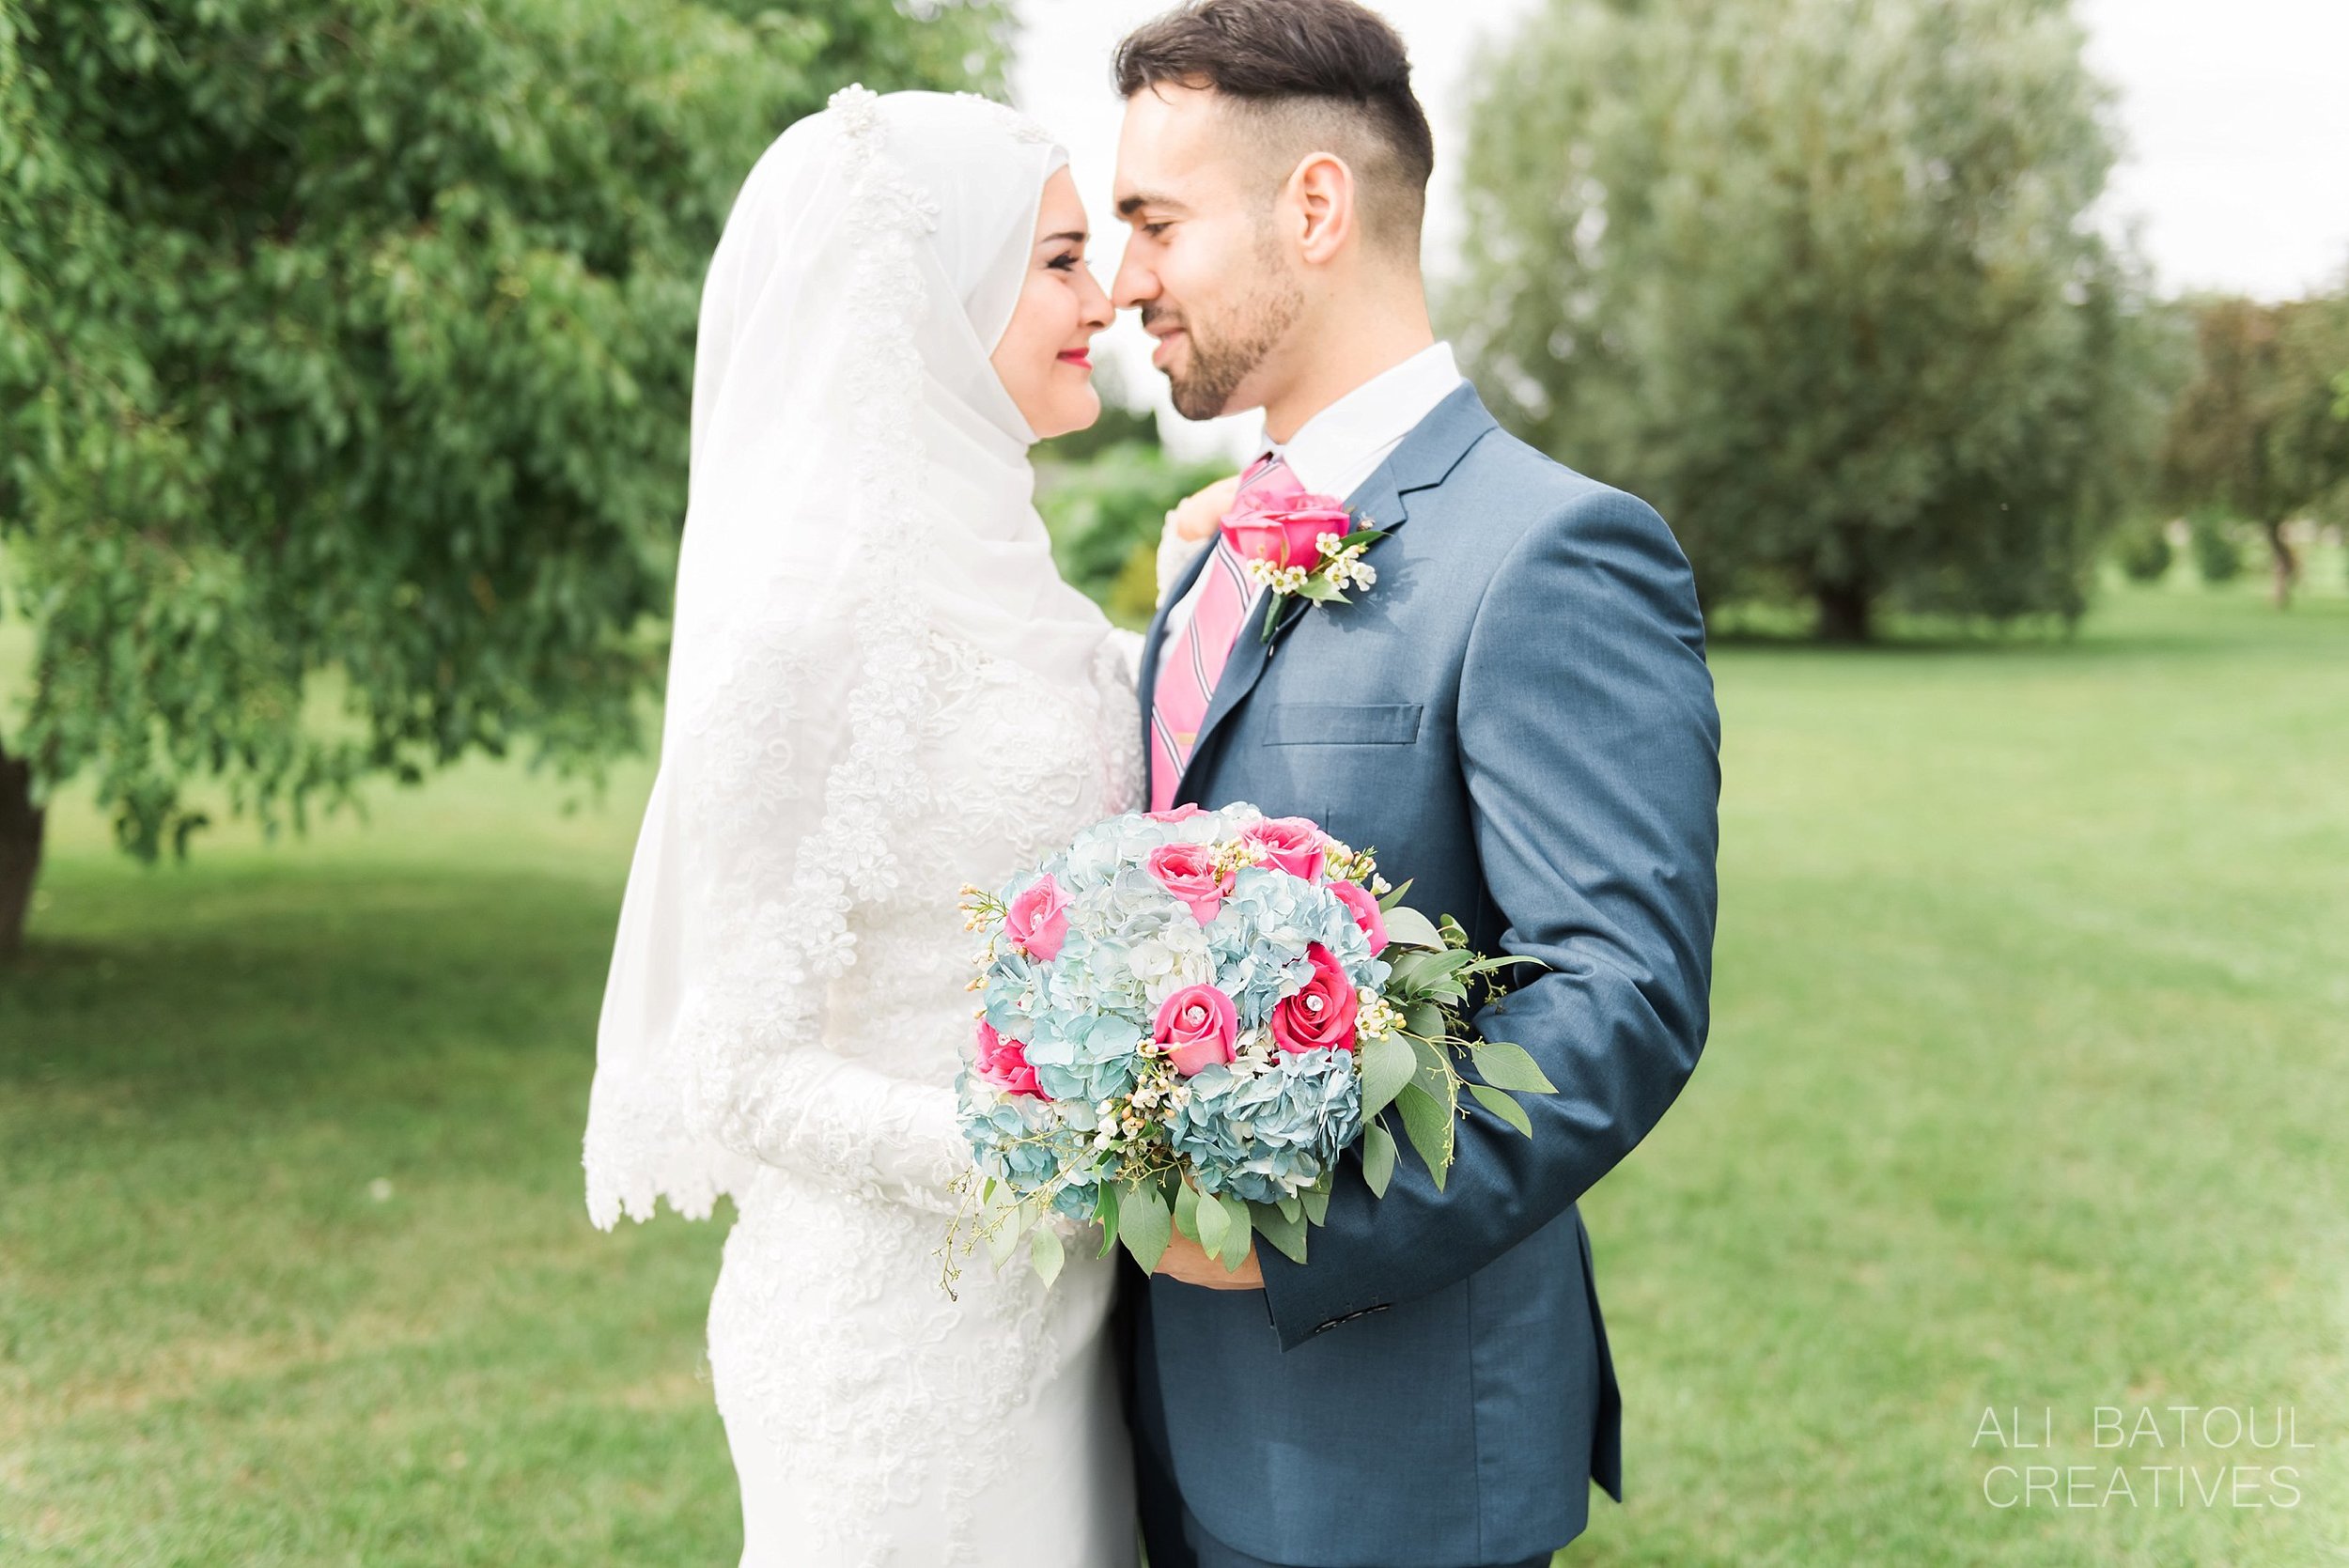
(1044, 356)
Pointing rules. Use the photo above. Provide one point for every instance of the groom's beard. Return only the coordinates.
(1223, 356)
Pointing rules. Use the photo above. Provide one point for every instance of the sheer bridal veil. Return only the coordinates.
(859, 476)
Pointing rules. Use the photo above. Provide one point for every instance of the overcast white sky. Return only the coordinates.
(2235, 114)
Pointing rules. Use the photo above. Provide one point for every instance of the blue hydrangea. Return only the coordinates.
(1016, 1138)
(1082, 1056)
(1266, 1135)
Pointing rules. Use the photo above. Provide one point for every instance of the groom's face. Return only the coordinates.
(1203, 263)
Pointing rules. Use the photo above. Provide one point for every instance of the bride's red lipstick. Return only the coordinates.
(1077, 356)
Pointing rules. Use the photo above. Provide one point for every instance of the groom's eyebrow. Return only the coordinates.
(1141, 199)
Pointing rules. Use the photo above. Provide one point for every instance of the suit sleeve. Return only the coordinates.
(1590, 745)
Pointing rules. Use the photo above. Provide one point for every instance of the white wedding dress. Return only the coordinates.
(873, 1420)
(879, 690)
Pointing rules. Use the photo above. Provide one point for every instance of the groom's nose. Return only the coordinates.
(1134, 285)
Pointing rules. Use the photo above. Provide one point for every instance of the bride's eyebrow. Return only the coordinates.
(1075, 234)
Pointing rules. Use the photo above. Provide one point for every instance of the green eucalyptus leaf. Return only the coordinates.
(1208, 1219)
(1316, 1200)
(1388, 1063)
(1045, 1254)
(1238, 1227)
(1503, 1107)
(1403, 968)
(1408, 927)
(1431, 1069)
(1105, 1210)
(1377, 1158)
(1002, 1238)
(1449, 960)
(1282, 1228)
(1427, 1123)
(1505, 1065)
(1143, 1224)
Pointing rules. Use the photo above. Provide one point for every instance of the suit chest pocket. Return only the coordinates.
(1342, 724)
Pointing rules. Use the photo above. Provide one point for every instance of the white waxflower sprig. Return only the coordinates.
(1340, 566)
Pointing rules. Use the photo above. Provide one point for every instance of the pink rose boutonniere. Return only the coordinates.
(1305, 545)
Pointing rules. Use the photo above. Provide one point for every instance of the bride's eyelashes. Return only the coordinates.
(1066, 263)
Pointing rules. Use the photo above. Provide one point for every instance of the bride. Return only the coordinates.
(880, 689)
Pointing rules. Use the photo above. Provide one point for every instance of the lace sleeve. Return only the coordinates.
(838, 1121)
(1124, 652)
(782, 885)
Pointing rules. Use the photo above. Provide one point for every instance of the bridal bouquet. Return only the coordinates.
(1186, 1015)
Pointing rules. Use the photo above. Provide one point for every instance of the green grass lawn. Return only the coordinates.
(2029, 1086)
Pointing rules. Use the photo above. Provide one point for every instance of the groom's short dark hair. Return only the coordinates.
(1308, 71)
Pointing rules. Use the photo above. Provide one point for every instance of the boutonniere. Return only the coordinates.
(1307, 547)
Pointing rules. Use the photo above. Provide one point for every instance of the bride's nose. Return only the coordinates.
(1099, 312)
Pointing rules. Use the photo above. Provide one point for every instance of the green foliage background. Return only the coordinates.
(344, 355)
(1814, 277)
(2254, 433)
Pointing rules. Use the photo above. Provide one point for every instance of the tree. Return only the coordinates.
(345, 349)
(2254, 435)
(1815, 277)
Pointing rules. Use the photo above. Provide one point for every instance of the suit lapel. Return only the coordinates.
(1426, 456)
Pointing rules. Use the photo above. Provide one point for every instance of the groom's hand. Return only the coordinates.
(1186, 1260)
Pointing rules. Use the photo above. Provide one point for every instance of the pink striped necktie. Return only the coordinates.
(1189, 665)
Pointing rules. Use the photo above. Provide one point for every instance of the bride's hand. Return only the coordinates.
(1195, 516)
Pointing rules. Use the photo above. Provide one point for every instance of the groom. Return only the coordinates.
(1517, 715)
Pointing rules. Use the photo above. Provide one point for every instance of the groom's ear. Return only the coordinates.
(1321, 193)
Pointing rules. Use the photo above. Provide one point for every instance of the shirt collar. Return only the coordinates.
(1375, 415)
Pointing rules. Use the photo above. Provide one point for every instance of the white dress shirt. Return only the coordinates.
(1344, 445)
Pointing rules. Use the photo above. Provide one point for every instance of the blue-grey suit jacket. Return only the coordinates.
(1518, 718)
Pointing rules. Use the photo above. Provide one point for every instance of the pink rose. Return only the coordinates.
(1364, 907)
(1037, 921)
(1197, 1025)
(1004, 1062)
(1286, 530)
(1188, 871)
(1320, 1016)
(1183, 813)
(1291, 844)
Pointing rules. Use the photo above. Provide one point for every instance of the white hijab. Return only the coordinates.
(858, 473)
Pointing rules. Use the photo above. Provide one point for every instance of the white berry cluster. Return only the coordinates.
(1377, 1016)
(1345, 563)
(1280, 579)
